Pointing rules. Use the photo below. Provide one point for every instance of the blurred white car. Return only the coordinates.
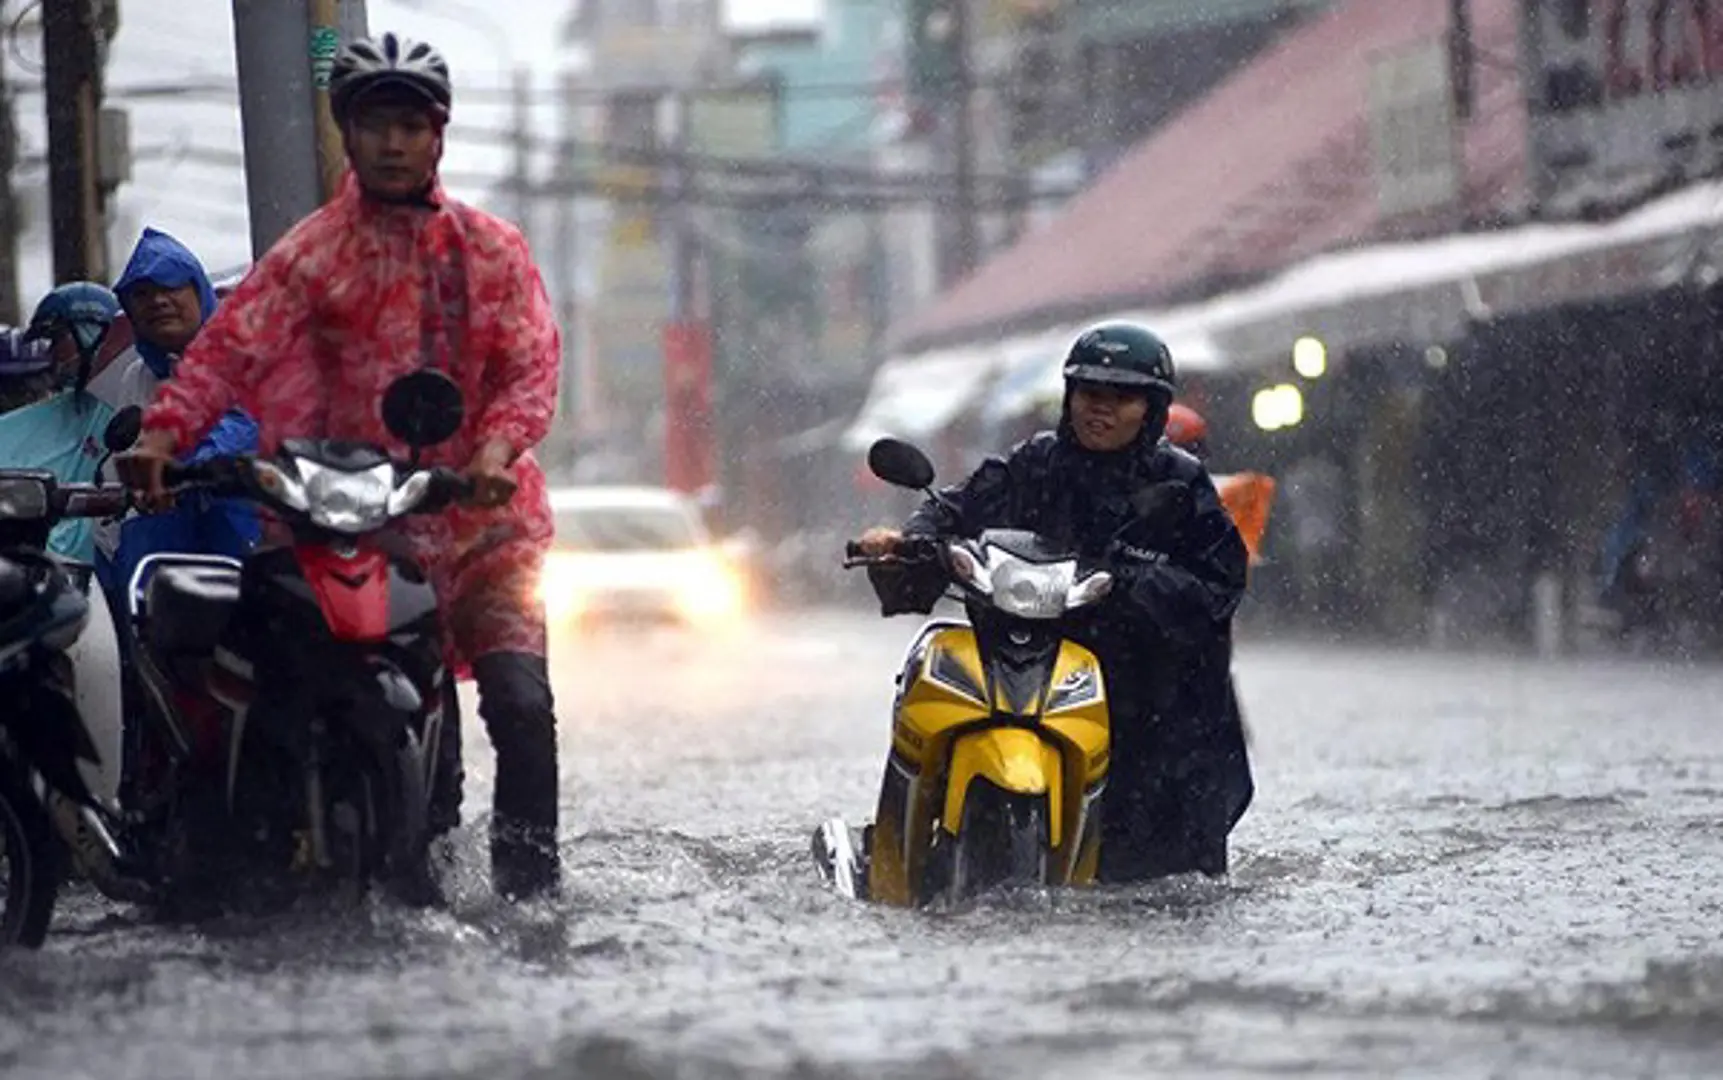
(625, 553)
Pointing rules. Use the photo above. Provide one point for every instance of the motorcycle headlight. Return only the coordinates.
(970, 570)
(410, 494)
(347, 502)
(23, 498)
(1032, 590)
(1088, 591)
(279, 485)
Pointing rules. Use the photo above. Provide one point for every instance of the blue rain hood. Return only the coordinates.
(164, 261)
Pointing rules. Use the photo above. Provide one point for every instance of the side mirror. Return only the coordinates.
(123, 430)
(900, 464)
(423, 408)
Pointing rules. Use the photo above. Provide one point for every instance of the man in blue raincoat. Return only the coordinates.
(167, 296)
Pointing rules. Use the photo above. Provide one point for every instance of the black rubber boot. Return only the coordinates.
(516, 706)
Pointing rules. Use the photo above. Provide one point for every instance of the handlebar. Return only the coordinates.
(232, 476)
(911, 551)
(91, 500)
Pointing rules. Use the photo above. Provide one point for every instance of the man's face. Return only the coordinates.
(394, 145)
(166, 318)
(1107, 418)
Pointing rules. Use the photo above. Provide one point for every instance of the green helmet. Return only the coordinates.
(1125, 355)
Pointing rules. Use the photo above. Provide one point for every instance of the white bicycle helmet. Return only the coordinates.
(389, 60)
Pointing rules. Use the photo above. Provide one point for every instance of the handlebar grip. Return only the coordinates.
(450, 484)
(854, 550)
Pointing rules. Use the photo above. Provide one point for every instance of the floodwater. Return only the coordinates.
(1455, 866)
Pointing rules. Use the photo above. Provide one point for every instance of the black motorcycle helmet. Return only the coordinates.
(1129, 357)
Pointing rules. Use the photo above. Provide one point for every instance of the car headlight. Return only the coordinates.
(711, 591)
(347, 502)
(560, 587)
(1032, 590)
(23, 498)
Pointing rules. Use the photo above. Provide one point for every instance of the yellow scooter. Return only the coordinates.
(1000, 729)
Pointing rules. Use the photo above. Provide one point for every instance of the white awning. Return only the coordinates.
(1433, 289)
(915, 396)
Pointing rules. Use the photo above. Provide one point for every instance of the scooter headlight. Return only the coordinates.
(347, 502)
(1031, 590)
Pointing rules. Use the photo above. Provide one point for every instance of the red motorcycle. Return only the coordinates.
(293, 705)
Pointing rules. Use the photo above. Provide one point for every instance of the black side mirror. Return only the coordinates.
(900, 464)
(423, 408)
(123, 430)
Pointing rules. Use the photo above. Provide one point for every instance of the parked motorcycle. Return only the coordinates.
(1000, 727)
(290, 708)
(59, 731)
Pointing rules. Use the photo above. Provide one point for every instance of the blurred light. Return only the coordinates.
(1275, 408)
(1436, 357)
(1309, 357)
(711, 598)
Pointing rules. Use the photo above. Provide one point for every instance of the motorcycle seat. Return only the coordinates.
(189, 607)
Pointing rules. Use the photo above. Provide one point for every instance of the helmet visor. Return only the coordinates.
(1106, 375)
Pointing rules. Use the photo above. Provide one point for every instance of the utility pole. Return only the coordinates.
(967, 242)
(521, 95)
(10, 315)
(1461, 58)
(72, 51)
(290, 140)
(565, 254)
(327, 29)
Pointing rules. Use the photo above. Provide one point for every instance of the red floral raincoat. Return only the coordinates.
(358, 294)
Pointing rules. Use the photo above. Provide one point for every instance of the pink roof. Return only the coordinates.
(1274, 165)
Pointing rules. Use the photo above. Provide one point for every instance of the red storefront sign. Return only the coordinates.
(689, 447)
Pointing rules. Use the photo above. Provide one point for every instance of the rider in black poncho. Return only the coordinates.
(1107, 484)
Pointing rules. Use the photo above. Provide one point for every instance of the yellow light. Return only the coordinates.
(1277, 407)
(1310, 357)
(1262, 410)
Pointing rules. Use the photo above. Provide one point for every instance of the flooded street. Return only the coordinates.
(1454, 867)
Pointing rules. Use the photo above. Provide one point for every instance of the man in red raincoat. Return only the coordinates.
(388, 277)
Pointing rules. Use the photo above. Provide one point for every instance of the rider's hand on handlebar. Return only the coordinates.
(878, 543)
(141, 468)
(489, 474)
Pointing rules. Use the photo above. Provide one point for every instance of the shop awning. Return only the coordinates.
(1431, 291)
(916, 396)
(1428, 291)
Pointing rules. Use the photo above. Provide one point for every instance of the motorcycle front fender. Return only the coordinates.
(1014, 760)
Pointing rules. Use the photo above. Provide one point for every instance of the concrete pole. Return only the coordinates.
(279, 109)
(72, 81)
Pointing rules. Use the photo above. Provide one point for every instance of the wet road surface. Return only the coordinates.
(1456, 866)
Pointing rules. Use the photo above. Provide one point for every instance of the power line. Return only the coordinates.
(217, 87)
